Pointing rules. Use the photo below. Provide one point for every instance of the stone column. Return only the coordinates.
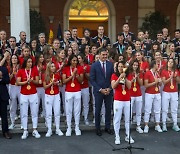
(20, 18)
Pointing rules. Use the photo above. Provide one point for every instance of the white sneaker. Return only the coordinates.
(77, 131)
(164, 128)
(49, 133)
(158, 129)
(127, 139)
(36, 134)
(94, 121)
(139, 130)
(176, 128)
(25, 135)
(86, 122)
(21, 127)
(12, 126)
(59, 132)
(68, 132)
(16, 118)
(117, 140)
(146, 129)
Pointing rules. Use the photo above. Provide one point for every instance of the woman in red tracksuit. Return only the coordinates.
(72, 78)
(121, 101)
(14, 90)
(136, 77)
(85, 87)
(51, 82)
(27, 78)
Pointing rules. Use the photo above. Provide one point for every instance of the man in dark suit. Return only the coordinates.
(4, 100)
(100, 78)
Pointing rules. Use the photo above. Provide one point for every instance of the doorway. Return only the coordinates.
(89, 14)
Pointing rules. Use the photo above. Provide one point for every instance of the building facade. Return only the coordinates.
(14, 14)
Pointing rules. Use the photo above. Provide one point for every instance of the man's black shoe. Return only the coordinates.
(98, 132)
(7, 135)
(109, 131)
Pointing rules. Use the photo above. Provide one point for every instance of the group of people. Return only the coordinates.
(134, 71)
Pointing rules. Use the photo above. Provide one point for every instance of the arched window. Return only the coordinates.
(88, 10)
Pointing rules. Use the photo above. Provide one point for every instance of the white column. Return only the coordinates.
(20, 18)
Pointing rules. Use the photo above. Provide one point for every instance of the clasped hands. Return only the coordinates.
(105, 91)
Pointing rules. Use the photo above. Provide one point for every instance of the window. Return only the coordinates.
(88, 10)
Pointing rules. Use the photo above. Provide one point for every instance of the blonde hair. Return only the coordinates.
(48, 72)
(168, 51)
(58, 52)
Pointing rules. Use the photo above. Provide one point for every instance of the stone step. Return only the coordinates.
(42, 128)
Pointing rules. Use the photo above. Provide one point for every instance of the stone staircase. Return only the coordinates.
(42, 128)
(91, 126)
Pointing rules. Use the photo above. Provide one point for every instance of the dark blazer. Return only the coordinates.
(97, 77)
(4, 95)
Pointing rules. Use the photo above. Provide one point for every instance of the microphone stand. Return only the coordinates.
(129, 147)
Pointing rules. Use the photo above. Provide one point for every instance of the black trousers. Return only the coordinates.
(3, 114)
(99, 99)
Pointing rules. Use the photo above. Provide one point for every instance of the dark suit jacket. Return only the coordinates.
(97, 77)
(4, 95)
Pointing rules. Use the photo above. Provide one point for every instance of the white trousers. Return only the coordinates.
(62, 91)
(155, 101)
(25, 101)
(172, 99)
(52, 102)
(143, 97)
(14, 92)
(119, 106)
(85, 101)
(41, 95)
(137, 102)
(73, 101)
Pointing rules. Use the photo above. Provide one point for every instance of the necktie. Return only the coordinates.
(103, 67)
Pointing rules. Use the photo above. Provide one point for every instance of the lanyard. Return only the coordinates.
(121, 47)
(154, 74)
(28, 75)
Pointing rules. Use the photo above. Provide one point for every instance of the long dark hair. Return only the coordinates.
(25, 62)
(131, 66)
(83, 58)
(30, 44)
(11, 68)
(174, 64)
(153, 62)
(70, 59)
(117, 71)
(37, 57)
(125, 55)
